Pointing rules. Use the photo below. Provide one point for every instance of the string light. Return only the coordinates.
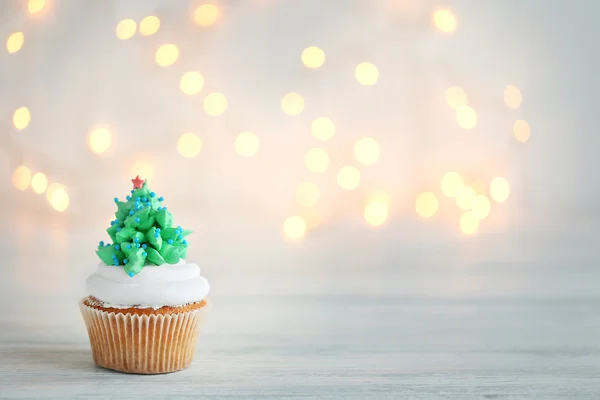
(191, 83)
(512, 96)
(481, 206)
(307, 194)
(466, 117)
(521, 131)
(206, 14)
(35, 6)
(464, 197)
(21, 118)
(58, 197)
(376, 213)
(100, 140)
(469, 223)
(348, 178)
(323, 128)
(15, 42)
(142, 168)
(246, 144)
(426, 205)
(444, 20)
(367, 151)
(316, 160)
(294, 227)
(189, 145)
(167, 55)
(149, 25)
(456, 97)
(39, 183)
(292, 104)
(21, 177)
(499, 189)
(313, 57)
(126, 29)
(215, 104)
(366, 73)
(451, 184)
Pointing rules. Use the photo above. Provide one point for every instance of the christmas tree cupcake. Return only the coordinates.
(146, 303)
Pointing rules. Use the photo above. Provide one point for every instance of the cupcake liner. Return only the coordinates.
(140, 343)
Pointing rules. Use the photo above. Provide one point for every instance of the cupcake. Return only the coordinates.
(146, 304)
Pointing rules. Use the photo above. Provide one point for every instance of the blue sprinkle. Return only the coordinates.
(152, 194)
(116, 199)
(137, 245)
(144, 199)
(131, 212)
(156, 235)
(136, 240)
(114, 256)
(137, 199)
(117, 247)
(128, 198)
(116, 264)
(112, 223)
(161, 198)
(118, 229)
(107, 244)
(157, 229)
(144, 246)
(159, 208)
(148, 204)
(170, 241)
(165, 208)
(130, 274)
(117, 221)
(137, 220)
(144, 254)
(179, 237)
(129, 246)
(184, 242)
(101, 243)
(125, 261)
(132, 191)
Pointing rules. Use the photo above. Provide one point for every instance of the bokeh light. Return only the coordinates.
(426, 205)
(466, 117)
(376, 213)
(366, 73)
(215, 104)
(21, 177)
(39, 183)
(191, 83)
(451, 184)
(247, 144)
(206, 14)
(348, 177)
(379, 196)
(316, 160)
(292, 104)
(35, 6)
(58, 197)
(21, 118)
(167, 55)
(313, 57)
(367, 151)
(481, 206)
(294, 227)
(307, 194)
(100, 140)
(323, 128)
(512, 96)
(464, 197)
(444, 20)
(149, 25)
(15, 42)
(499, 189)
(521, 131)
(189, 145)
(456, 97)
(469, 223)
(126, 29)
(142, 168)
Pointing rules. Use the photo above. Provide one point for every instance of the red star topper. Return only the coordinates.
(138, 182)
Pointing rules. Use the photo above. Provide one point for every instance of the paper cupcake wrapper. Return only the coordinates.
(143, 344)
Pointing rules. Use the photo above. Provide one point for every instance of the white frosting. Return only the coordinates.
(154, 286)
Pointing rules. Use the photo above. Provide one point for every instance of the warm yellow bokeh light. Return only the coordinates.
(444, 20)
(367, 151)
(294, 227)
(466, 117)
(348, 177)
(39, 183)
(21, 177)
(206, 14)
(366, 73)
(499, 190)
(451, 184)
(142, 168)
(376, 213)
(323, 128)
(521, 131)
(167, 55)
(35, 6)
(292, 104)
(191, 83)
(313, 57)
(15, 42)
(149, 25)
(100, 140)
(469, 223)
(308, 194)
(316, 160)
(58, 198)
(379, 197)
(247, 144)
(21, 118)
(426, 205)
(126, 29)
(189, 145)
(512, 96)
(215, 104)
(481, 206)
(464, 197)
(456, 97)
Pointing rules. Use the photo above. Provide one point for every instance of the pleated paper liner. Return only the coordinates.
(143, 341)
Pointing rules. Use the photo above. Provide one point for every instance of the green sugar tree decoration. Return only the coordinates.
(142, 233)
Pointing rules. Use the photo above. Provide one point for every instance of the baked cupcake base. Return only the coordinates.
(143, 340)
